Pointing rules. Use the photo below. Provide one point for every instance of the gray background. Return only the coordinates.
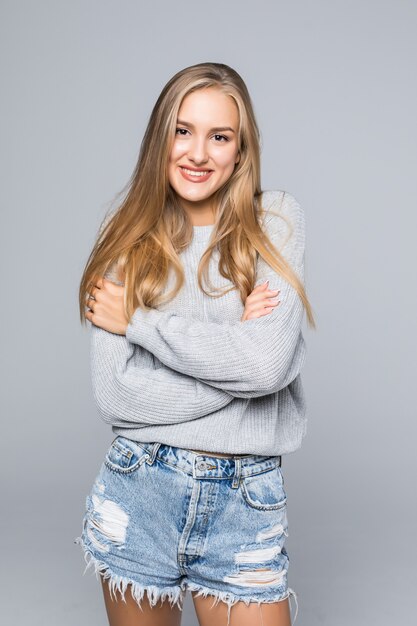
(334, 89)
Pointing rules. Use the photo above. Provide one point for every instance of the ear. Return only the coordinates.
(238, 158)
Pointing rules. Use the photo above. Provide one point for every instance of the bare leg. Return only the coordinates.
(254, 614)
(128, 613)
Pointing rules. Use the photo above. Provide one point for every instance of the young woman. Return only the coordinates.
(196, 362)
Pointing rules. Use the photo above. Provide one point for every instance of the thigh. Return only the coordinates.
(130, 535)
(240, 560)
(241, 614)
(127, 612)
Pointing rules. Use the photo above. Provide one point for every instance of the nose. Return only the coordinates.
(198, 151)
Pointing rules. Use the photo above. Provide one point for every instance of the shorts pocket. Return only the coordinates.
(265, 491)
(124, 456)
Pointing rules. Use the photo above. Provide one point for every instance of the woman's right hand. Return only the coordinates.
(261, 301)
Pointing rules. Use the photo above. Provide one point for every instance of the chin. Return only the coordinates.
(194, 191)
(194, 197)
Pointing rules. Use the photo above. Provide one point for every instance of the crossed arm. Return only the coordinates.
(204, 365)
(127, 387)
(245, 359)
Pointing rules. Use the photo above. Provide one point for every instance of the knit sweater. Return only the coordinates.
(191, 374)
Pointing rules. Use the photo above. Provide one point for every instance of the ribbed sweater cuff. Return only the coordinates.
(142, 326)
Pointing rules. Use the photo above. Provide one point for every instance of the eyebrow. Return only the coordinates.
(217, 128)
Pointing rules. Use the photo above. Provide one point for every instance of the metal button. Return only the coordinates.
(201, 465)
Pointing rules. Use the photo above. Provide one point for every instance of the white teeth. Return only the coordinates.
(192, 173)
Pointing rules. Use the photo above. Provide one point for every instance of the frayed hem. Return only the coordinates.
(230, 599)
(175, 595)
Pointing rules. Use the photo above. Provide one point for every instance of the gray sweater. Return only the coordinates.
(191, 374)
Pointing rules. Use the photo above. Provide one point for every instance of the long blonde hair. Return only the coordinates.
(144, 236)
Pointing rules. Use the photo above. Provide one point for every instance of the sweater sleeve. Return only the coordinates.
(246, 359)
(130, 389)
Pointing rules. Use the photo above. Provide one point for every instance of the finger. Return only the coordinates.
(256, 297)
(261, 305)
(271, 293)
(261, 286)
(90, 303)
(259, 313)
(99, 282)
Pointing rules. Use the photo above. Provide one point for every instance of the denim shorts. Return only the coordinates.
(165, 519)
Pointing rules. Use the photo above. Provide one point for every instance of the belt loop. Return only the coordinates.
(238, 469)
(279, 461)
(153, 452)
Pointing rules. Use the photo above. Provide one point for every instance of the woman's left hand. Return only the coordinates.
(106, 307)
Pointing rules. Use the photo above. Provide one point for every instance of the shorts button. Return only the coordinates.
(201, 465)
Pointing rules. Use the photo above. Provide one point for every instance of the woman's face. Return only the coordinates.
(206, 141)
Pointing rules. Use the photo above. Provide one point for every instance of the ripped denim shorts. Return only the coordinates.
(164, 519)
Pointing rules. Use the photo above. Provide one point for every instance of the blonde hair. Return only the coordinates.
(142, 239)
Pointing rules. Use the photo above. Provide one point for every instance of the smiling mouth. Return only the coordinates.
(195, 176)
(194, 172)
